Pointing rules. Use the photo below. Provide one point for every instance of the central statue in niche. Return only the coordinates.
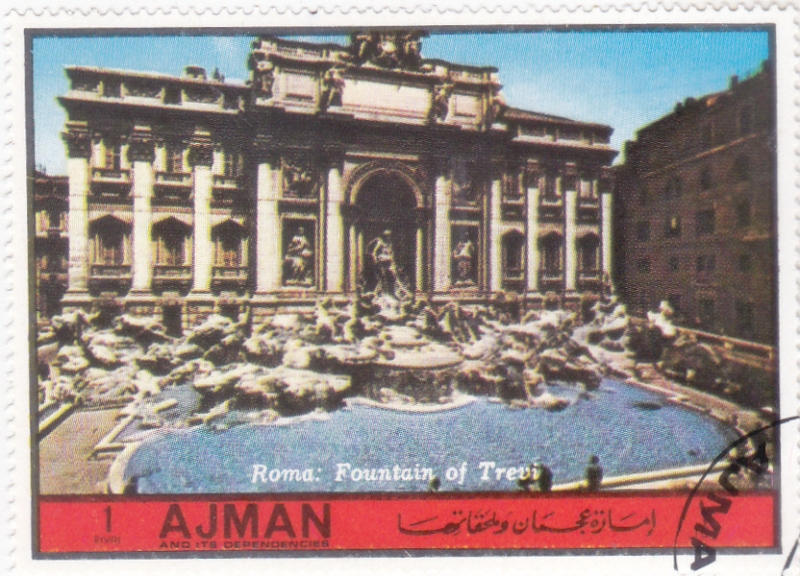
(389, 281)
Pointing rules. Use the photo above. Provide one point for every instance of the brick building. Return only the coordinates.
(50, 245)
(694, 222)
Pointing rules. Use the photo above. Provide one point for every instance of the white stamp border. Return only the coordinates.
(16, 537)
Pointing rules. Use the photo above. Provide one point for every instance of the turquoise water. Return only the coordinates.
(627, 439)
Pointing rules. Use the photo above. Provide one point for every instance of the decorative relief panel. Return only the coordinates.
(466, 185)
(301, 178)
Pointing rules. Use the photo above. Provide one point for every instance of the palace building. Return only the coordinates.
(333, 169)
(695, 212)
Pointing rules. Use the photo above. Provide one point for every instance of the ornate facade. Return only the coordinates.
(333, 169)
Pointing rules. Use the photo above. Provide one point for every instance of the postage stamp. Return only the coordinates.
(443, 291)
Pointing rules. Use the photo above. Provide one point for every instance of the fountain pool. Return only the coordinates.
(630, 429)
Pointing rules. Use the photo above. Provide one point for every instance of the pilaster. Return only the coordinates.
(441, 257)
(268, 233)
(570, 247)
(141, 155)
(201, 158)
(606, 223)
(334, 225)
(495, 223)
(79, 151)
(532, 232)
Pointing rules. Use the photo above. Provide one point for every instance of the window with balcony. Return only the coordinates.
(230, 252)
(705, 222)
(172, 239)
(231, 164)
(110, 246)
(113, 154)
(175, 164)
(550, 188)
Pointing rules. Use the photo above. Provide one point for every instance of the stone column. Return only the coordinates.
(570, 252)
(141, 155)
(606, 223)
(334, 227)
(495, 246)
(532, 233)
(201, 157)
(442, 249)
(79, 150)
(268, 229)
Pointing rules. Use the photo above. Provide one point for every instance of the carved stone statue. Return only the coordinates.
(463, 257)
(496, 107)
(381, 250)
(263, 77)
(298, 265)
(332, 89)
(391, 49)
(440, 103)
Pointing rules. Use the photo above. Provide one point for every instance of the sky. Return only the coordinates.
(623, 78)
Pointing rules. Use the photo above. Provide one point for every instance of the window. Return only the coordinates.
(110, 238)
(745, 121)
(171, 238)
(644, 194)
(743, 214)
(741, 169)
(643, 231)
(643, 265)
(174, 159)
(551, 255)
(674, 263)
(707, 138)
(704, 222)
(674, 301)
(229, 246)
(705, 178)
(513, 250)
(673, 227)
(550, 189)
(744, 319)
(706, 263)
(744, 263)
(673, 188)
(706, 313)
(588, 252)
(113, 154)
(231, 164)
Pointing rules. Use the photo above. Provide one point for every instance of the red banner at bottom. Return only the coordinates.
(254, 524)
